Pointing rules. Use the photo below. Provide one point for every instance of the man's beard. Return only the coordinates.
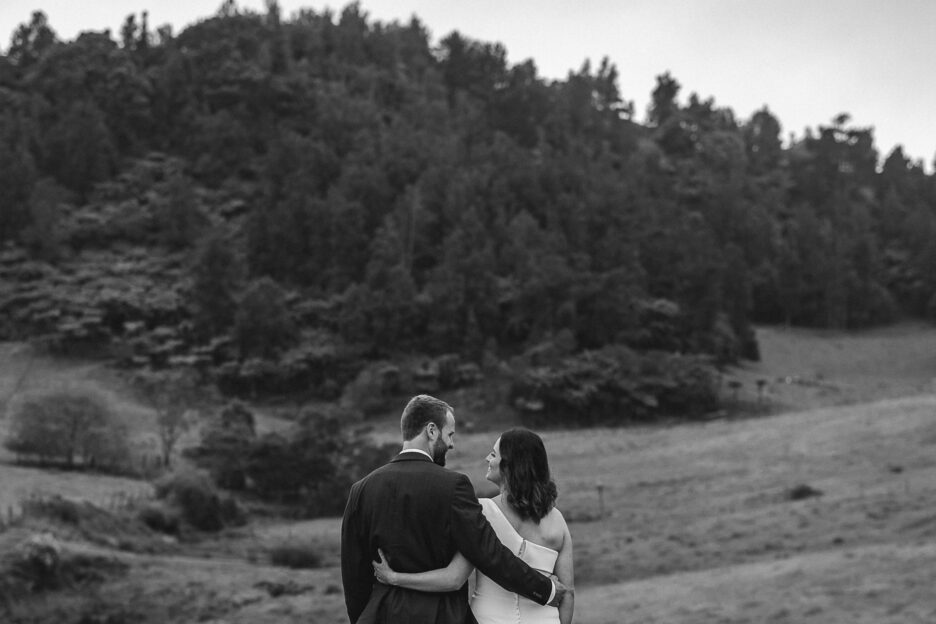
(439, 449)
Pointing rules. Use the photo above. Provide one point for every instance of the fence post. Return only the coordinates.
(601, 506)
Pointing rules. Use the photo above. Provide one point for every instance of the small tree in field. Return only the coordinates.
(175, 395)
(70, 426)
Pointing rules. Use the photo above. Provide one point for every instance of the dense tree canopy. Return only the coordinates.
(330, 173)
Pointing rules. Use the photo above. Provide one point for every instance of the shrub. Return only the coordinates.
(873, 305)
(363, 457)
(160, 518)
(195, 497)
(615, 385)
(370, 390)
(41, 563)
(660, 325)
(38, 563)
(99, 611)
(279, 468)
(225, 446)
(313, 368)
(290, 554)
(327, 498)
(70, 426)
(802, 491)
(282, 467)
(79, 518)
(314, 464)
(55, 508)
(684, 385)
(232, 513)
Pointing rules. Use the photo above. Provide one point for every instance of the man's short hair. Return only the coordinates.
(421, 410)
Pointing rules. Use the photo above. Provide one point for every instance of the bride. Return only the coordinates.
(525, 519)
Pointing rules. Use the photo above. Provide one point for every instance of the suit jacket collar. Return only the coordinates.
(411, 457)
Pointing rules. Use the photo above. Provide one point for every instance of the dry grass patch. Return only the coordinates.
(20, 482)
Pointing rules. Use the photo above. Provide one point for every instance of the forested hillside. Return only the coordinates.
(281, 200)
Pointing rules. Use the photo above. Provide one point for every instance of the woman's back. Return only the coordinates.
(549, 531)
(491, 603)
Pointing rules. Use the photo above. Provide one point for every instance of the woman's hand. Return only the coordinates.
(382, 570)
(449, 578)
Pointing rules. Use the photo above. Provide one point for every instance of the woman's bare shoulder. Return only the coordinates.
(553, 526)
(555, 516)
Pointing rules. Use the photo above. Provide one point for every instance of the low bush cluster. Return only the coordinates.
(161, 518)
(314, 370)
(197, 501)
(84, 520)
(40, 563)
(615, 385)
(309, 466)
(295, 554)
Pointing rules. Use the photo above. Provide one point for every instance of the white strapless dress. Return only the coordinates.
(491, 603)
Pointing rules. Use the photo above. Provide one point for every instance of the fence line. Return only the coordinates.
(9, 516)
(119, 500)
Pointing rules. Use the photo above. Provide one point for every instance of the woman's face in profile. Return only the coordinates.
(493, 461)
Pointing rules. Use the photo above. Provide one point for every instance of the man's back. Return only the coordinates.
(404, 508)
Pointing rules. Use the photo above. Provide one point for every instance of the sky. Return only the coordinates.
(806, 60)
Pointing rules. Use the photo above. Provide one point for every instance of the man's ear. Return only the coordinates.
(430, 429)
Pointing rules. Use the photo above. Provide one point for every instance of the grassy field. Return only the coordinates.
(23, 371)
(690, 523)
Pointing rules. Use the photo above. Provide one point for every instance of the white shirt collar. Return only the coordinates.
(416, 450)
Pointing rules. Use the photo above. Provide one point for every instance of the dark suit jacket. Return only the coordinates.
(421, 514)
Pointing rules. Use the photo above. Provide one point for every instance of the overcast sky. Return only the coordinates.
(807, 60)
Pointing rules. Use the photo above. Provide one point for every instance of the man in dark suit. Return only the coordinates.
(420, 515)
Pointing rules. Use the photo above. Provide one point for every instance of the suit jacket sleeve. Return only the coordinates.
(477, 541)
(357, 574)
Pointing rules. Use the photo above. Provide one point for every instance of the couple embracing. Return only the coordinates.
(413, 533)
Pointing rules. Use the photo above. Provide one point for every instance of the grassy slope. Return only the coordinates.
(696, 526)
(703, 514)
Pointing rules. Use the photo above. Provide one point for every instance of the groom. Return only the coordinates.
(421, 515)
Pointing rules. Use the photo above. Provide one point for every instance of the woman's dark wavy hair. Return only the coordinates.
(525, 469)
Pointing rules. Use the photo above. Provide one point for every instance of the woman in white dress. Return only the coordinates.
(526, 520)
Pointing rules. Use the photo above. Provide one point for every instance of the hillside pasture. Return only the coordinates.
(823, 512)
(24, 371)
(805, 368)
(700, 524)
(721, 498)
